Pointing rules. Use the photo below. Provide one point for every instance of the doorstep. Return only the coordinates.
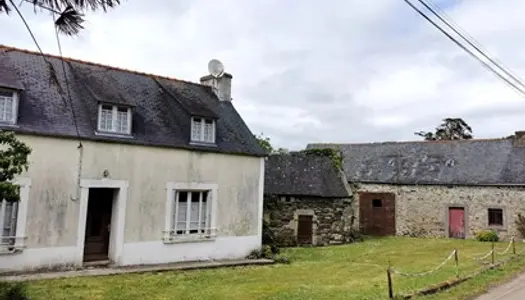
(90, 271)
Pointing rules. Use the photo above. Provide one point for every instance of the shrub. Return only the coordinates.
(487, 236)
(13, 291)
(520, 225)
(352, 235)
(281, 259)
(268, 238)
(266, 252)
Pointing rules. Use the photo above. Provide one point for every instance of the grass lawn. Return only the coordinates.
(356, 271)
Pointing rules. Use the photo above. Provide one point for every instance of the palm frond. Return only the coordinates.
(79, 5)
(4, 7)
(70, 21)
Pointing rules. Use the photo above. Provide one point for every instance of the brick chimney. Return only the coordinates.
(221, 85)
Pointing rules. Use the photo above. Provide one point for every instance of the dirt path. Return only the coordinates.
(514, 290)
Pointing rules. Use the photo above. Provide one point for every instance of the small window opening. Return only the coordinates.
(495, 217)
(377, 203)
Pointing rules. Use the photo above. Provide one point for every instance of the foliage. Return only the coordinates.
(352, 235)
(487, 236)
(269, 239)
(13, 161)
(520, 225)
(450, 129)
(267, 252)
(334, 155)
(69, 12)
(13, 291)
(266, 144)
(281, 259)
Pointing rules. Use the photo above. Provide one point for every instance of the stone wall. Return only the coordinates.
(332, 218)
(422, 210)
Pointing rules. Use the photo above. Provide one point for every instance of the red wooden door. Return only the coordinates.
(377, 214)
(456, 222)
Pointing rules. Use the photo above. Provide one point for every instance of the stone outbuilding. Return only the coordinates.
(437, 188)
(306, 200)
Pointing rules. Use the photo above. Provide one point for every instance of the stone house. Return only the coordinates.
(437, 188)
(126, 168)
(306, 200)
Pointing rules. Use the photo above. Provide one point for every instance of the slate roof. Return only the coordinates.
(296, 174)
(468, 162)
(162, 107)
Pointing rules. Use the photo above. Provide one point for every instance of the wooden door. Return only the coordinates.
(456, 222)
(305, 230)
(377, 213)
(98, 224)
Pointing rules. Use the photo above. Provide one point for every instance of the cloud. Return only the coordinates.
(336, 71)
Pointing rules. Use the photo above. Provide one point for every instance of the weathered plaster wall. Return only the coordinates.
(423, 209)
(331, 218)
(52, 219)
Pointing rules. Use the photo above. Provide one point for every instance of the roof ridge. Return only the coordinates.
(416, 142)
(76, 60)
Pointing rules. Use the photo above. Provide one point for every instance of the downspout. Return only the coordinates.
(80, 148)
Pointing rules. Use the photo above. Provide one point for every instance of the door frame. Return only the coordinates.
(465, 218)
(305, 212)
(118, 216)
(311, 220)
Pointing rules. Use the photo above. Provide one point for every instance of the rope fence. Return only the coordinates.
(454, 254)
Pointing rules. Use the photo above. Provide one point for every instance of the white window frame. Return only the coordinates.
(200, 138)
(114, 110)
(20, 233)
(169, 234)
(14, 113)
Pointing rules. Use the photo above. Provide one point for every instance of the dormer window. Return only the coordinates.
(8, 106)
(114, 119)
(202, 130)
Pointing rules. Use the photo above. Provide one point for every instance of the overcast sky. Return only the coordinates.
(315, 71)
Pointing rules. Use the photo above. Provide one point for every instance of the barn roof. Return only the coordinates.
(298, 174)
(467, 162)
(162, 106)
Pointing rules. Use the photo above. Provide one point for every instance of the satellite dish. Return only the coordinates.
(216, 68)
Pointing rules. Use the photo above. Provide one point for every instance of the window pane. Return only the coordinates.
(196, 130)
(181, 212)
(122, 121)
(194, 212)
(181, 216)
(10, 217)
(106, 119)
(204, 210)
(208, 131)
(6, 108)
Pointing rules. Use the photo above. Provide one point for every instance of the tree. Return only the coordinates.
(450, 129)
(266, 144)
(13, 161)
(69, 13)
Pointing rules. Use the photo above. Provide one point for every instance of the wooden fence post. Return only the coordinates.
(493, 253)
(390, 289)
(456, 258)
(513, 246)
